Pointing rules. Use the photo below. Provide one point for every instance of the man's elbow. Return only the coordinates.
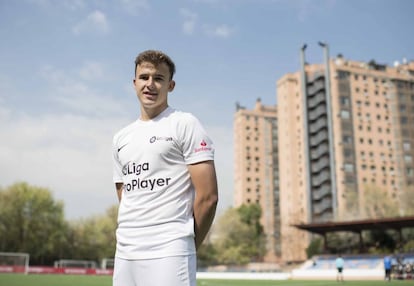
(212, 200)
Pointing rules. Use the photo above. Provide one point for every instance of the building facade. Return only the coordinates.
(338, 146)
(346, 141)
(256, 169)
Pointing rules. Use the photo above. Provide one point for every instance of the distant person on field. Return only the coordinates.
(166, 183)
(387, 267)
(339, 263)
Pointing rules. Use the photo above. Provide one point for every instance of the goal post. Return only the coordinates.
(14, 262)
(107, 263)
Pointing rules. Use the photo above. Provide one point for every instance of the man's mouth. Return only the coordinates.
(150, 94)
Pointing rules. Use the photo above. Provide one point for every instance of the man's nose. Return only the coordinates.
(150, 82)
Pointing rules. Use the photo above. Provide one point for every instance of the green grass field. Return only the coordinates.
(90, 280)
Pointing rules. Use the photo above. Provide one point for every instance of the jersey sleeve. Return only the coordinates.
(196, 144)
(116, 165)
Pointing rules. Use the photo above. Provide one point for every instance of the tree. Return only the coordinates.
(351, 207)
(315, 247)
(32, 221)
(94, 238)
(378, 203)
(407, 202)
(206, 255)
(239, 236)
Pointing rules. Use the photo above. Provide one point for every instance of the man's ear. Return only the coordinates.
(171, 86)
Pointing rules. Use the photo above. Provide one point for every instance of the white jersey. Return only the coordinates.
(155, 216)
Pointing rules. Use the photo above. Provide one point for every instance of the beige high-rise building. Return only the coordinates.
(338, 146)
(256, 170)
(346, 142)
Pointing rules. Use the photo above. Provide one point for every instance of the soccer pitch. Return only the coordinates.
(90, 280)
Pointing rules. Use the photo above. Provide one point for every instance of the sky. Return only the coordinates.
(66, 70)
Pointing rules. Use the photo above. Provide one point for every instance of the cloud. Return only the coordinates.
(69, 154)
(134, 6)
(95, 22)
(190, 21)
(69, 4)
(190, 24)
(220, 31)
(92, 71)
(76, 95)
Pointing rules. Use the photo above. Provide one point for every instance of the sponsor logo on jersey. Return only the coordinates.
(203, 147)
(136, 183)
(120, 148)
(158, 138)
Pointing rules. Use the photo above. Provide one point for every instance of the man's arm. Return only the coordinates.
(203, 176)
(118, 187)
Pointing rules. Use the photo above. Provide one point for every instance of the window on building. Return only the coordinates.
(349, 168)
(408, 159)
(345, 114)
(405, 133)
(344, 101)
(407, 146)
(347, 139)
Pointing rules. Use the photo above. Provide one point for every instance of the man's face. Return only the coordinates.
(152, 84)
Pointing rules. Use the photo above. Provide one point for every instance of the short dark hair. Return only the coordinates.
(156, 58)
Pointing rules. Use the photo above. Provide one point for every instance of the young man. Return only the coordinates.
(339, 263)
(166, 183)
(387, 267)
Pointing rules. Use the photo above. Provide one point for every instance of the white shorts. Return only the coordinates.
(171, 271)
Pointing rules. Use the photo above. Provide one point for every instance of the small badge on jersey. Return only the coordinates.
(158, 138)
(203, 147)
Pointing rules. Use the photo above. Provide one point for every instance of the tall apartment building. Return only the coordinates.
(345, 131)
(256, 169)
